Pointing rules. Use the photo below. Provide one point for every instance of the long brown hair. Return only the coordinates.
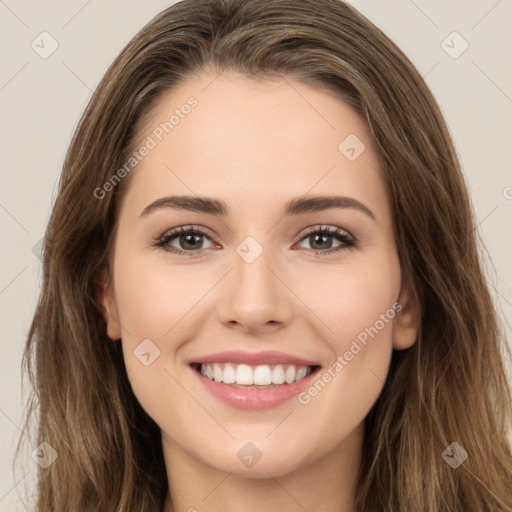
(450, 386)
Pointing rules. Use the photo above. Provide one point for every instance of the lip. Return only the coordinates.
(254, 399)
(254, 358)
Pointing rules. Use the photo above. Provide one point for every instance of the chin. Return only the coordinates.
(252, 462)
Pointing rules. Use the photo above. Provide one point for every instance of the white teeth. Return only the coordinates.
(229, 374)
(261, 375)
(217, 373)
(289, 375)
(244, 374)
(278, 375)
(301, 373)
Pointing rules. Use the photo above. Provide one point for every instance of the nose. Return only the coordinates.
(254, 297)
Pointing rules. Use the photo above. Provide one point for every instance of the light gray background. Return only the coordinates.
(41, 101)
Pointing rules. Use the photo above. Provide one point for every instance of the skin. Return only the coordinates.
(263, 143)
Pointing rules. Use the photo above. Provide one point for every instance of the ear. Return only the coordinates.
(106, 302)
(408, 318)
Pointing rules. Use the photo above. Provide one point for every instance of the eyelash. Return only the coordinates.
(348, 242)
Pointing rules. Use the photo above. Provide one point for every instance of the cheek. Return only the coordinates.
(349, 301)
(364, 311)
(153, 307)
(155, 297)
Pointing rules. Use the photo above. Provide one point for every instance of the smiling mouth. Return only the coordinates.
(254, 376)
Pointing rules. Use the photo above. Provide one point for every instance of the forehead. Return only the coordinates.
(231, 136)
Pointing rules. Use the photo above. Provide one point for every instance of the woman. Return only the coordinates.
(188, 352)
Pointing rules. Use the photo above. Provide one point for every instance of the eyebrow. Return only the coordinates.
(295, 206)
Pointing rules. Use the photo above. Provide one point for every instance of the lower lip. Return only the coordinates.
(255, 399)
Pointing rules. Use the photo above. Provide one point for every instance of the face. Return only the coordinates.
(289, 304)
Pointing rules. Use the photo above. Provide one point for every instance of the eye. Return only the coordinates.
(189, 240)
(321, 238)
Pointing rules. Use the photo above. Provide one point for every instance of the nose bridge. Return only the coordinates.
(252, 276)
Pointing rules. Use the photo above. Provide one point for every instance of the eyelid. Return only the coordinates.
(332, 230)
(306, 231)
(185, 229)
(174, 232)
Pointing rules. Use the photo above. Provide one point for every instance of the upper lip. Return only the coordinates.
(254, 358)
